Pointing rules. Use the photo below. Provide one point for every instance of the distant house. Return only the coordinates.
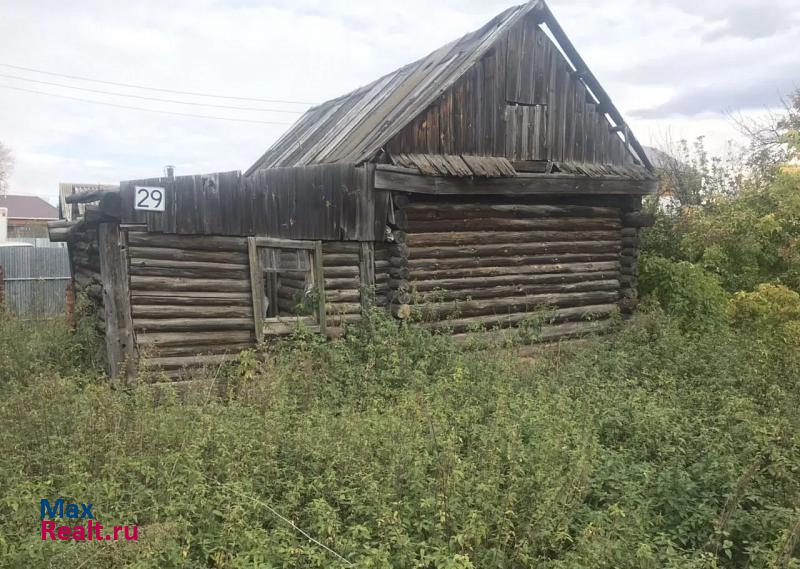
(27, 215)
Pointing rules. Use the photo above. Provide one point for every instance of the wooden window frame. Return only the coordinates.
(257, 277)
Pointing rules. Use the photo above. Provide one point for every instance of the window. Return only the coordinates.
(287, 285)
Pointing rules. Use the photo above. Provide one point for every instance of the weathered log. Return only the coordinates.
(506, 249)
(169, 351)
(68, 233)
(188, 298)
(171, 254)
(191, 242)
(629, 232)
(629, 252)
(286, 325)
(189, 265)
(460, 263)
(398, 261)
(216, 338)
(630, 242)
(486, 237)
(339, 259)
(511, 280)
(187, 284)
(398, 272)
(192, 324)
(638, 219)
(593, 312)
(611, 266)
(400, 285)
(381, 252)
(547, 333)
(178, 362)
(339, 319)
(399, 236)
(519, 290)
(342, 271)
(434, 210)
(631, 270)
(502, 224)
(519, 304)
(87, 196)
(340, 247)
(343, 295)
(333, 309)
(339, 284)
(183, 311)
(177, 272)
(398, 250)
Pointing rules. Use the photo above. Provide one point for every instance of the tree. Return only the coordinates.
(6, 167)
(774, 141)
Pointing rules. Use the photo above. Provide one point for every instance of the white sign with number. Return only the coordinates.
(149, 198)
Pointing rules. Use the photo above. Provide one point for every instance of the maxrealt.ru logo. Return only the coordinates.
(90, 531)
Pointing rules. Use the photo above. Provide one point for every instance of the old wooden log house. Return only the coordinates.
(487, 180)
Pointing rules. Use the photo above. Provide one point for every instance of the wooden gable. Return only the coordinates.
(522, 100)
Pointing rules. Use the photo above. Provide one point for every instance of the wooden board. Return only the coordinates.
(120, 344)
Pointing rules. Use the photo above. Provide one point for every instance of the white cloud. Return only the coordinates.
(648, 55)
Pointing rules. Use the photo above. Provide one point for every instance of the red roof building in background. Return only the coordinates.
(28, 215)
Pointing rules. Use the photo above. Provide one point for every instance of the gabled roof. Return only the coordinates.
(28, 207)
(354, 127)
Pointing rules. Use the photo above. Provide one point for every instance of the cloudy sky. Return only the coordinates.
(673, 67)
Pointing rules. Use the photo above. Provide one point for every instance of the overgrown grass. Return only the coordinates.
(653, 447)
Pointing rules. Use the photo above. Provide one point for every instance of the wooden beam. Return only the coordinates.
(88, 197)
(366, 270)
(256, 288)
(318, 278)
(523, 184)
(120, 343)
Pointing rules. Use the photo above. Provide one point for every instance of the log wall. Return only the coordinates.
(190, 297)
(87, 285)
(492, 262)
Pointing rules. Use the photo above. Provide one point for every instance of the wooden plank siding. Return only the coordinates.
(328, 202)
(521, 100)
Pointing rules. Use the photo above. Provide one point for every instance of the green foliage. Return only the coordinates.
(745, 239)
(394, 448)
(30, 349)
(767, 308)
(737, 218)
(684, 290)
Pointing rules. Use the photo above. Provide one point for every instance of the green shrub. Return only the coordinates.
(684, 290)
(31, 348)
(395, 449)
(769, 306)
